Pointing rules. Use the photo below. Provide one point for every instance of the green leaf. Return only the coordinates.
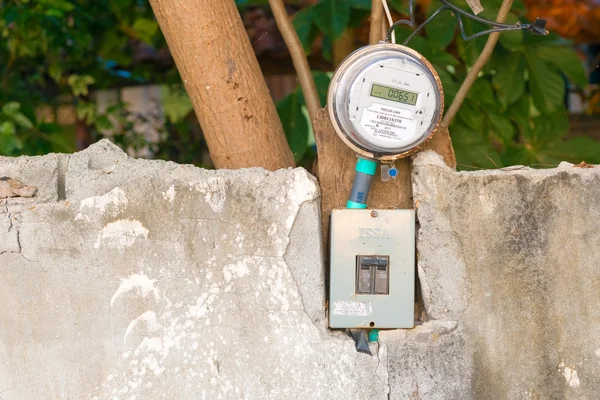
(400, 5)
(567, 61)
(502, 127)
(86, 111)
(327, 48)
(402, 32)
(332, 17)
(518, 155)
(60, 140)
(519, 113)
(176, 103)
(79, 84)
(7, 128)
(22, 121)
(8, 142)
(470, 50)
(11, 108)
(103, 123)
(305, 28)
(53, 12)
(510, 40)
(575, 150)
(55, 71)
(471, 117)
(112, 47)
(517, 7)
(358, 18)
(547, 129)
(424, 46)
(360, 4)
(418, 43)
(546, 84)
(295, 123)
(509, 80)
(450, 87)
(441, 57)
(536, 41)
(442, 29)
(481, 93)
(145, 29)
(322, 80)
(62, 5)
(473, 149)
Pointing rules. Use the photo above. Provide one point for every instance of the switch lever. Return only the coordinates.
(372, 274)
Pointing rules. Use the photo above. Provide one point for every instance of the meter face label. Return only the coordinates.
(387, 122)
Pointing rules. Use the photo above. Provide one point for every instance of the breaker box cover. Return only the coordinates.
(372, 269)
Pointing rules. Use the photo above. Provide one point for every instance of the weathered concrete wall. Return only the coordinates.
(134, 279)
(509, 264)
(153, 280)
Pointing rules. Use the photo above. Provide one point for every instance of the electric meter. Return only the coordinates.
(385, 101)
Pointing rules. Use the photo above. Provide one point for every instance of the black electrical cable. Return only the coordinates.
(538, 27)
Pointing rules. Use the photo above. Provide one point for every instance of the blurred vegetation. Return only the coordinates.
(56, 52)
(514, 114)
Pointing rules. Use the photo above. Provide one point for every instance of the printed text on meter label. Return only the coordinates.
(388, 122)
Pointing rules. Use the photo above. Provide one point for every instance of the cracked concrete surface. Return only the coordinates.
(9, 237)
(144, 279)
(508, 266)
(135, 279)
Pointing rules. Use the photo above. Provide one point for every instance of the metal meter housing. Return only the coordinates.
(385, 101)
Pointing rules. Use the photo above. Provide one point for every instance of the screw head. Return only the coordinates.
(374, 214)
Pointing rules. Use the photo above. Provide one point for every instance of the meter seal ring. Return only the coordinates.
(334, 86)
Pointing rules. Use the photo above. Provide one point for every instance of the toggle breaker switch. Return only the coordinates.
(372, 274)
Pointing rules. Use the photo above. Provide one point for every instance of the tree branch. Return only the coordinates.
(376, 21)
(290, 37)
(9, 64)
(477, 67)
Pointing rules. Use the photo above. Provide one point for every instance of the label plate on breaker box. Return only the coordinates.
(372, 269)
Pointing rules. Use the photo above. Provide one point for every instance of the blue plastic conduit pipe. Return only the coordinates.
(365, 169)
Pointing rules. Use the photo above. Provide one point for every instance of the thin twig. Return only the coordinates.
(493, 162)
(9, 65)
(290, 37)
(376, 21)
(477, 67)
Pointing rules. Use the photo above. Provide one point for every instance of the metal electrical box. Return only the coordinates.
(372, 270)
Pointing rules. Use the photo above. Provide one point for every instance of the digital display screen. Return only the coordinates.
(388, 93)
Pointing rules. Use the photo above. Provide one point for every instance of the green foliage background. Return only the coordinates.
(53, 52)
(515, 113)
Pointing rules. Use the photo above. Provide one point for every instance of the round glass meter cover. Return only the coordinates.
(386, 99)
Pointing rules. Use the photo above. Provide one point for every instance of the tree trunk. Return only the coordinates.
(223, 79)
